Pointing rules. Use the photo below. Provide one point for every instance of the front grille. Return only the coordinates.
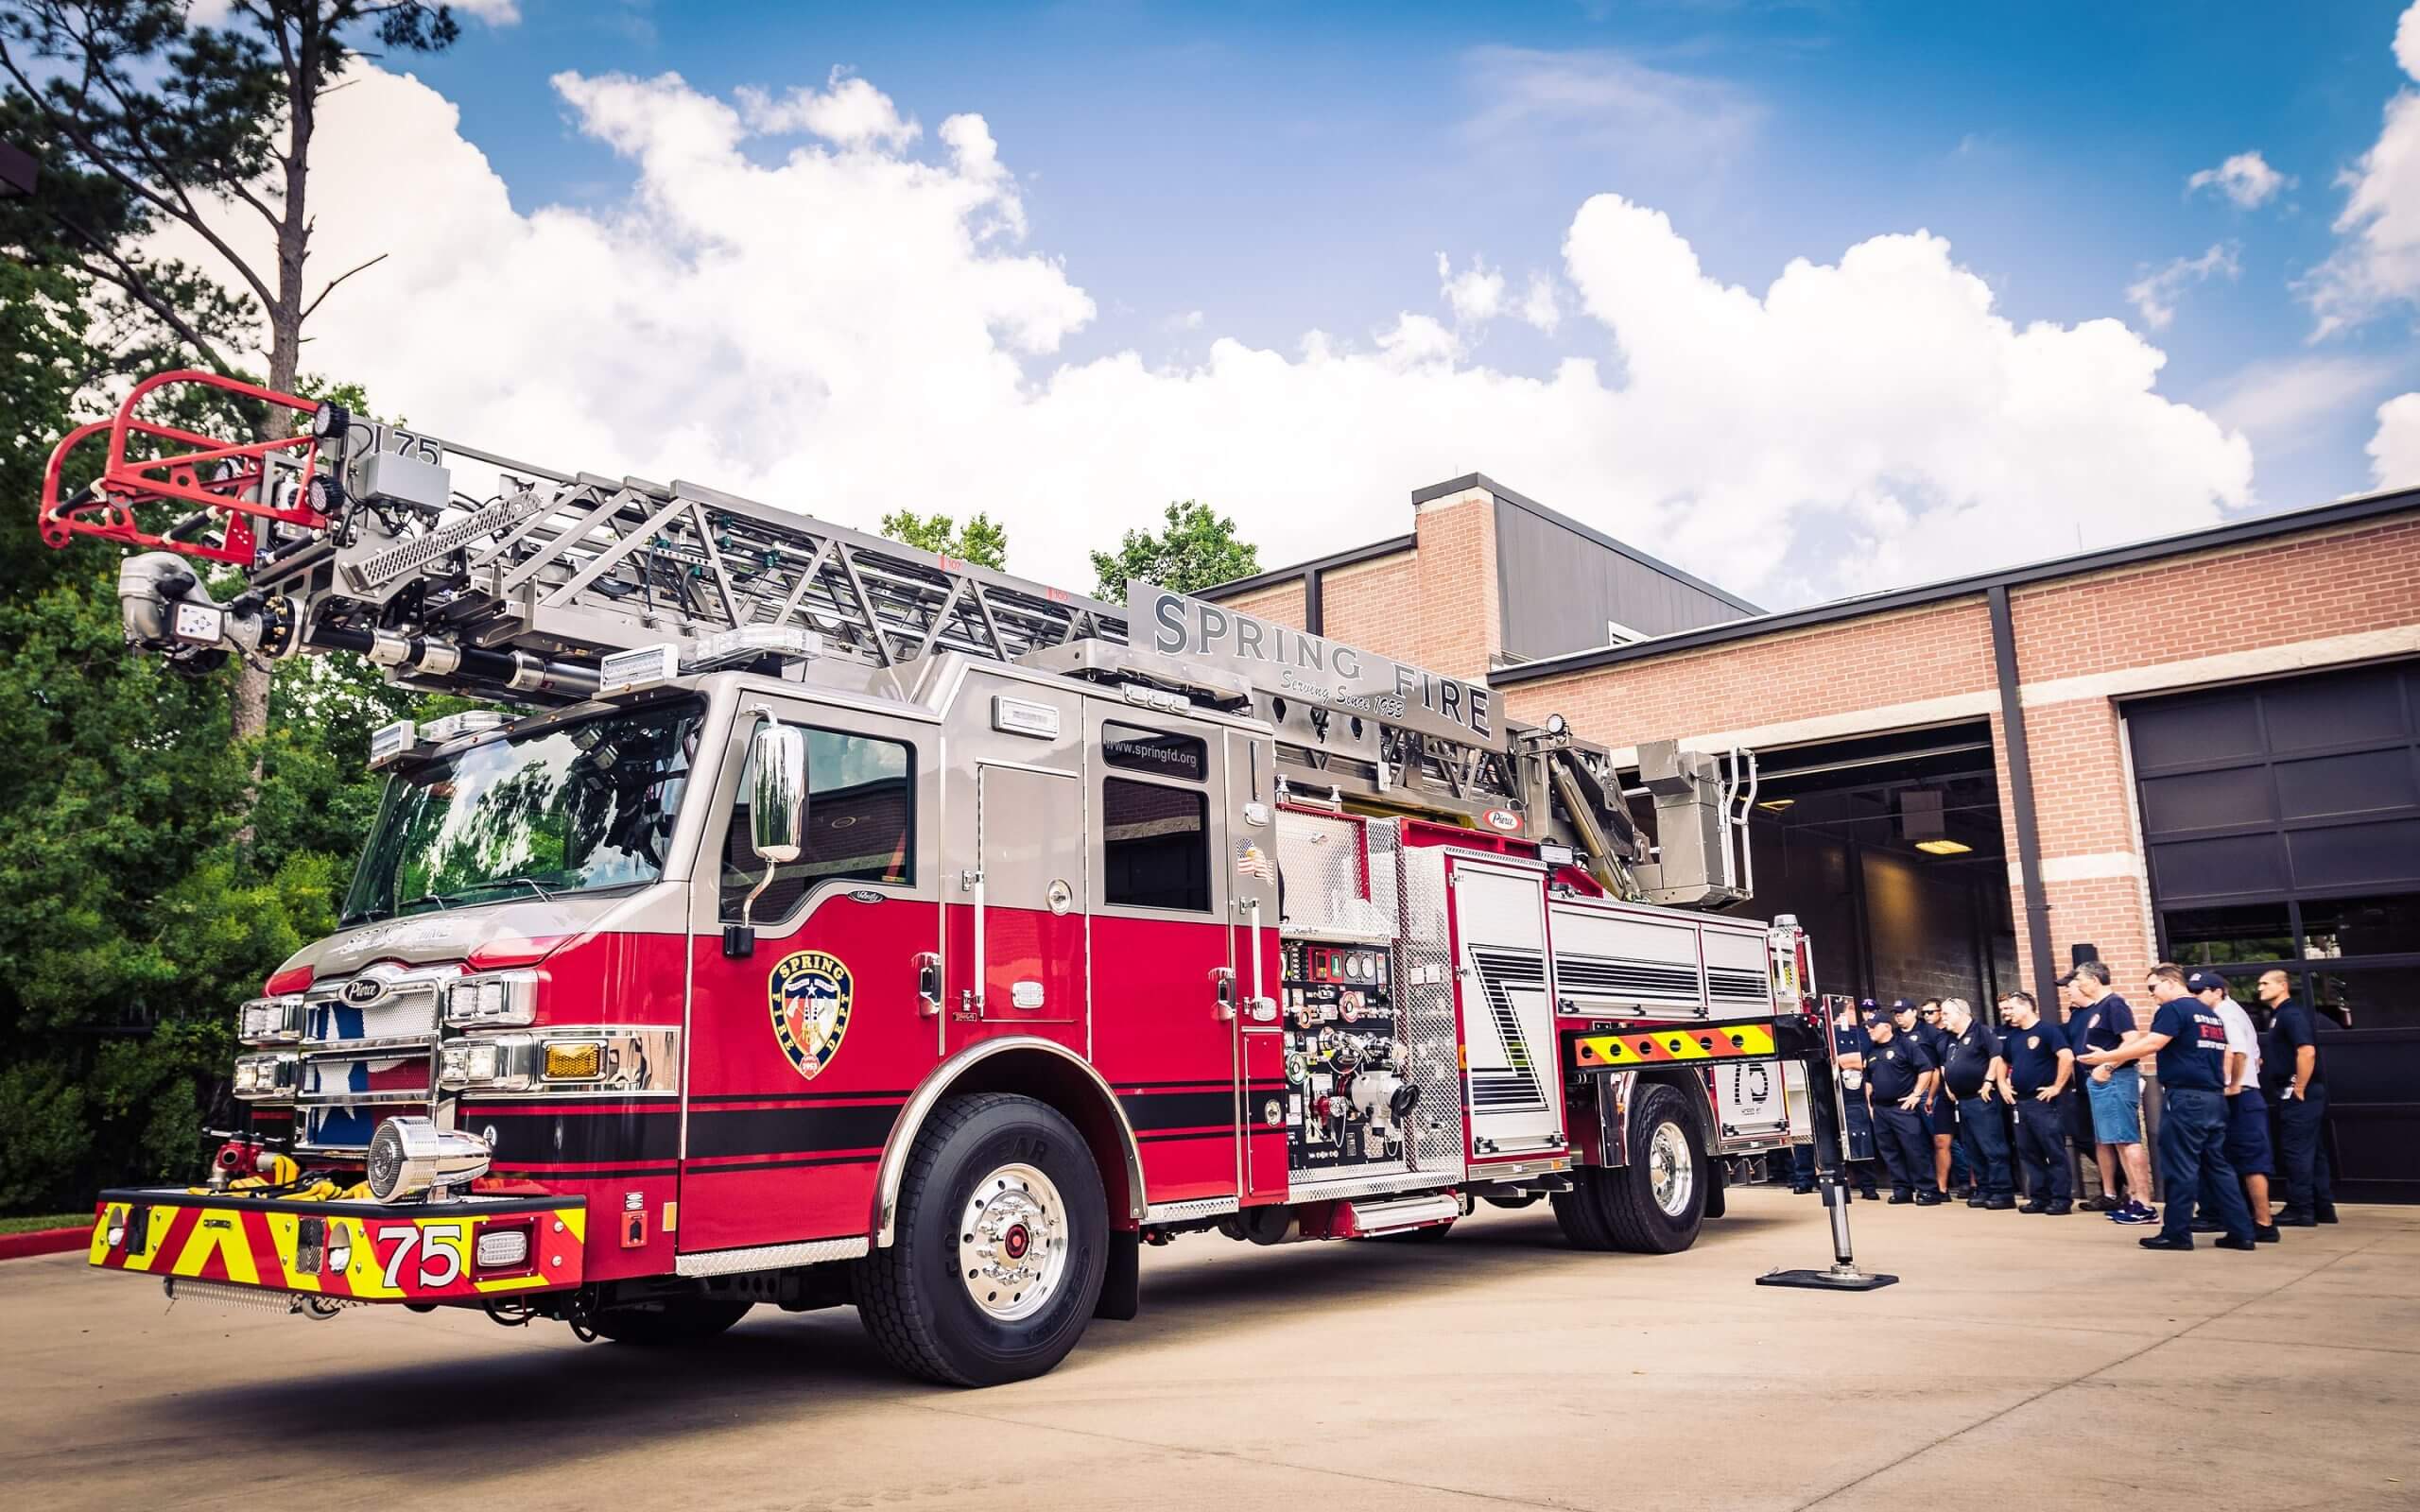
(363, 1062)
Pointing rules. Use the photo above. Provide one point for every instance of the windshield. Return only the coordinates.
(571, 808)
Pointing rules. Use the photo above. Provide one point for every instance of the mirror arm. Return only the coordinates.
(740, 939)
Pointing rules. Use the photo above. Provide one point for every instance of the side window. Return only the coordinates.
(860, 824)
(1157, 845)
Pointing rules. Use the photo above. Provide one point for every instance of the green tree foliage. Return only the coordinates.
(983, 541)
(1197, 550)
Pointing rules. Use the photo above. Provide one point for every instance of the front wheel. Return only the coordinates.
(1000, 1245)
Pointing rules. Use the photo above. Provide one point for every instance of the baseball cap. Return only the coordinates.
(2206, 982)
(2068, 978)
(1903, 1006)
(1866, 1004)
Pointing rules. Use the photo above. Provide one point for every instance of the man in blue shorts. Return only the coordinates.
(2102, 1020)
(2190, 1041)
(2247, 1142)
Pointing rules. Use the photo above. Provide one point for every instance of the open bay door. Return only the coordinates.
(1514, 1087)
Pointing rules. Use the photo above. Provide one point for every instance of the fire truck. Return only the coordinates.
(820, 921)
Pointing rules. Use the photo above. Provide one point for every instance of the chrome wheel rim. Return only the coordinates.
(1671, 1177)
(1012, 1243)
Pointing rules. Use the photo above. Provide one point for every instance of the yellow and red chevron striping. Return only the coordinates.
(425, 1254)
(1654, 1046)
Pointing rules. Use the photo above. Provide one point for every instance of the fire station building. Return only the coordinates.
(2203, 748)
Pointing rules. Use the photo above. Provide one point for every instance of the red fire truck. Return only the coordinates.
(830, 923)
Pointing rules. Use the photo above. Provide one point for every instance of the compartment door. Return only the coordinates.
(1029, 903)
(1513, 1078)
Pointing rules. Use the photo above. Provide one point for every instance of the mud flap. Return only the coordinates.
(1714, 1202)
(1121, 1284)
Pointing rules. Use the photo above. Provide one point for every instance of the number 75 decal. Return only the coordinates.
(441, 1254)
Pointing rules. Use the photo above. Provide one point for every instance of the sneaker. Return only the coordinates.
(1900, 1200)
(2266, 1236)
(2103, 1203)
(1999, 1204)
(2233, 1243)
(2136, 1214)
(2163, 1242)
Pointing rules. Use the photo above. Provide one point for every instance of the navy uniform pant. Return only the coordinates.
(1983, 1136)
(2192, 1146)
(1904, 1140)
(2302, 1153)
(2042, 1145)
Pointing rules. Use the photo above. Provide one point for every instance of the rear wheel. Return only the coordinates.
(1580, 1211)
(673, 1320)
(1657, 1204)
(1000, 1245)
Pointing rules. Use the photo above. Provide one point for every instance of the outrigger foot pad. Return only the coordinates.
(1830, 1279)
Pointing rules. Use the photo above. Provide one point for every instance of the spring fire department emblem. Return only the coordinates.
(810, 993)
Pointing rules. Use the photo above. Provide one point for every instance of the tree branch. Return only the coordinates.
(131, 279)
(332, 283)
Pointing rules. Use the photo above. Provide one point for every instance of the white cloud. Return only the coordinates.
(857, 323)
(1539, 306)
(1606, 97)
(2394, 451)
(2246, 179)
(2155, 295)
(847, 112)
(2277, 402)
(1475, 295)
(2379, 264)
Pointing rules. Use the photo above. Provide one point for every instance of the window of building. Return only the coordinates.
(1157, 840)
(1156, 751)
(860, 824)
(2225, 936)
(2334, 927)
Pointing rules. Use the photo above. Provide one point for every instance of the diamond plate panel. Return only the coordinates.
(1341, 875)
(1425, 999)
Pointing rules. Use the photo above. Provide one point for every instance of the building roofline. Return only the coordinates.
(1522, 501)
(2352, 510)
(1277, 575)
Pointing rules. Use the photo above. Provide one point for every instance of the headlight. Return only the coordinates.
(493, 997)
(270, 1021)
(502, 1063)
(503, 1249)
(260, 1077)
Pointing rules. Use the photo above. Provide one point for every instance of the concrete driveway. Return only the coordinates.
(2032, 1361)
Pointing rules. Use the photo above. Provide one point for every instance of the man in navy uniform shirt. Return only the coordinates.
(1898, 1076)
(2247, 1112)
(1922, 1022)
(1971, 1071)
(2190, 1041)
(2102, 1020)
(2297, 1089)
(2036, 1066)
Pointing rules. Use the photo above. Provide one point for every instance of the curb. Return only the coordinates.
(44, 1242)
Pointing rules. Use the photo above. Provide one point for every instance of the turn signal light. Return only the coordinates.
(574, 1060)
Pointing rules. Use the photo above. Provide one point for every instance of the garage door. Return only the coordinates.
(2282, 826)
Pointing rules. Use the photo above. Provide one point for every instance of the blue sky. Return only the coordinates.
(1281, 167)
(1065, 262)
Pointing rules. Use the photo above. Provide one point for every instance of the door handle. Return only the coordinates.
(928, 984)
(1222, 989)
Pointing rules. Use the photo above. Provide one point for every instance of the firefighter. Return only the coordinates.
(2102, 1021)
(1971, 1073)
(2248, 1148)
(1899, 1075)
(2290, 1061)
(1939, 1111)
(1849, 1048)
(2035, 1067)
(2190, 1041)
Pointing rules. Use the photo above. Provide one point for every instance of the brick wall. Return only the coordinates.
(1281, 602)
(1460, 622)
(1375, 605)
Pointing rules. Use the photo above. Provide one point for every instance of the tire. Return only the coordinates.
(1667, 1155)
(1580, 1211)
(1000, 1185)
(675, 1320)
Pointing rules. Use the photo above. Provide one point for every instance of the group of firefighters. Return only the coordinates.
(1958, 1104)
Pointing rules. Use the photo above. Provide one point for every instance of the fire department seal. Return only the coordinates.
(809, 993)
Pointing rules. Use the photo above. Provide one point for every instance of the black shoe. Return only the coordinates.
(2296, 1220)
(1801, 1192)
(1927, 1199)
(2163, 1242)
(2203, 1226)
(2326, 1214)
(2060, 1210)
(2035, 1207)
(1869, 1193)
(2266, 1236)
(1900, 1200)
(1999, 1204)
(2233, 1243)
(1975, 1202)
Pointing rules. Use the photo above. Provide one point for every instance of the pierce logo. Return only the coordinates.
(364, 991)
(1504, 821)
(809, 993)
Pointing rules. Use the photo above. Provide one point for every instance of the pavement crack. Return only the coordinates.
(2055, 1387)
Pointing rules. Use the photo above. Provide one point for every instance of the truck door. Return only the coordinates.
(800, 1052)
(1167, 999)
(1252, 765)
(1514, 1078)
(1028, 895)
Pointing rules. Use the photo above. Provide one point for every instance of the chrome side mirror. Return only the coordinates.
(776, 816)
